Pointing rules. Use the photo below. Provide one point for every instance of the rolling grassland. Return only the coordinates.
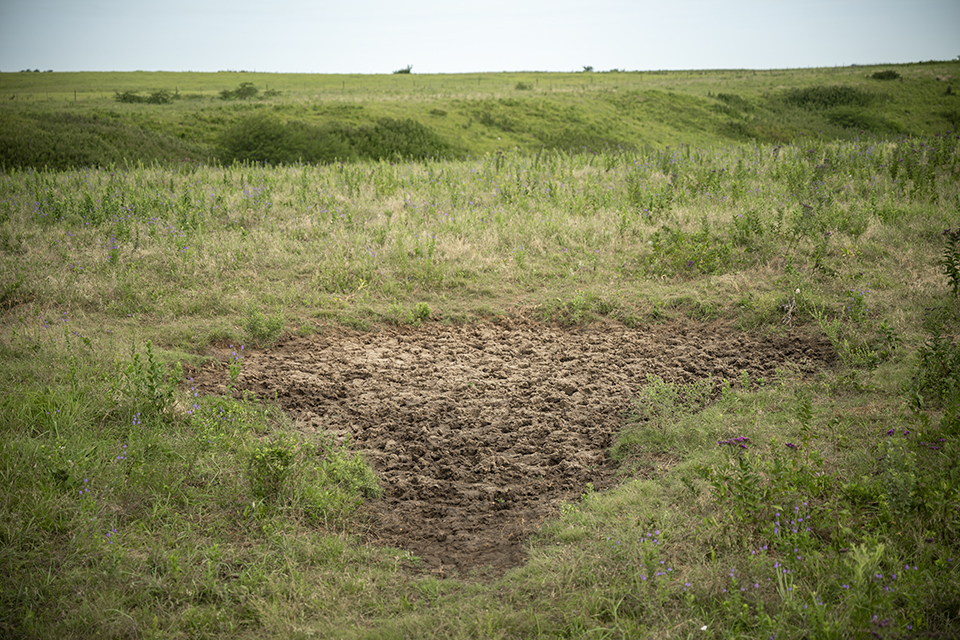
(618, 355)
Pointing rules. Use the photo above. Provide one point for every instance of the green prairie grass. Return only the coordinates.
(64, 120)
(821, 507)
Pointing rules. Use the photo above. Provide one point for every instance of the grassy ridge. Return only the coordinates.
(473, 114)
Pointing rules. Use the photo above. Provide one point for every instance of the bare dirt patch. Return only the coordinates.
(479, 431)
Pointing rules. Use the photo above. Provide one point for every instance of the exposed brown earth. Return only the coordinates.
(479, 431)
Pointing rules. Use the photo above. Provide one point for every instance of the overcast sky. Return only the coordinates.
(449, 36)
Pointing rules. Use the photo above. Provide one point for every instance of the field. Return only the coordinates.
(66, 120)
(689, 369)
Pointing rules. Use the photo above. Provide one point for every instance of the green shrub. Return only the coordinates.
(828, 97)
(264, 138)
(579, 139)
(949, 263)
(146, 385)
(888, 74)
(128, 97)
(245, 91)
(263, 330)
(854, 118)
(270, 468)
(735, 101)
(677, 252)
(157, 97)
(65, 140)
(937, 377)
(391, 139)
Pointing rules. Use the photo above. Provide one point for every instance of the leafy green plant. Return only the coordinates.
(234, 366)
(146, 384)
(391, 139)
(262, 329)
(269, 469)
(937, 376)
(264, 138)
(679, 252)
(741, 484)
(583, 307)
(950, 260)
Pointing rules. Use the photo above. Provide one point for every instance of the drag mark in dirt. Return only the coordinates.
(479, 431)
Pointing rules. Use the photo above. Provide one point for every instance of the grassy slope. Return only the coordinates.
(132, 508)
(478, 113)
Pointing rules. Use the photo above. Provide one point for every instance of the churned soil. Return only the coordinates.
(479, 431)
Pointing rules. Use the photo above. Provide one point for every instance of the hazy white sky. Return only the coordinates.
(450, 36)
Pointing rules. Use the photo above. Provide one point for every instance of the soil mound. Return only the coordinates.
(479, 431)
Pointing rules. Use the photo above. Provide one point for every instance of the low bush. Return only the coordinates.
(157, 97)
(65, 140)
(245, 91)
(264, 138)
(888, 74)
(391, 139)
(828, 97)
(854, 118)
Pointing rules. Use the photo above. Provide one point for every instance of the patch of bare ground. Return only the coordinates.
(479, 431)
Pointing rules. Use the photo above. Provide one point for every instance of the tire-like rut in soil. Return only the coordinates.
(479, 431)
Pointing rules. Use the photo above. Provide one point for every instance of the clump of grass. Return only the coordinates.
(263, 330)
(658, 405)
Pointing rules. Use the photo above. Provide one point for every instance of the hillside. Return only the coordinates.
(61, 120)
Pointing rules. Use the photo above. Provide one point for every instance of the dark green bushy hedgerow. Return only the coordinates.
(828, 97)
(245, 91)
(157, 97)
(853, 118)
(64, 140)
(391, 139)
(580, 139)
(888, 74)
(263, 138)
